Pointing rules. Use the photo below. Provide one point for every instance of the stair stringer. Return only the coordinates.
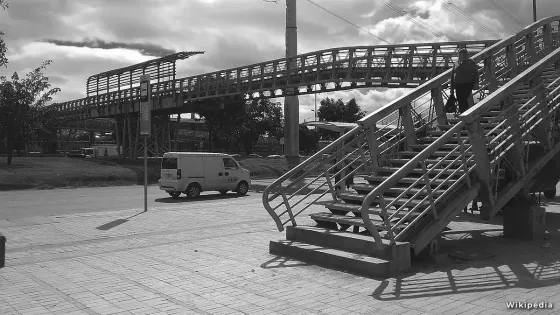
(430, 228)
(510, 191)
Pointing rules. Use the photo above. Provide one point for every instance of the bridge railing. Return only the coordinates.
(368, 65)
(533, 47)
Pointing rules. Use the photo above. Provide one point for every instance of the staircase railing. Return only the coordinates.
(536, 41)
(532, 118)
(382, 134)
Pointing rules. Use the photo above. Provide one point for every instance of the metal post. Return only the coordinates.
(291, 103)
(315, 103)
(534, 10)
(145, 173)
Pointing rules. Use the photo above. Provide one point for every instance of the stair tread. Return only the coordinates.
(423, 146)
(417, 170)
(344, 219)
(344, 234)
(405, 179)
(333, 252)
(428, 161)
(374, 209)
(436, 153)
(356, 196)
(396, 190)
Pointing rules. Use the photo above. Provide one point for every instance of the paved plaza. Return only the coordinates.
(211, 257)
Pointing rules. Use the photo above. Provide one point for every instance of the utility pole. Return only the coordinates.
(534, 10)
(291, 102)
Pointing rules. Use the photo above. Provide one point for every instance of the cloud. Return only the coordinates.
(145, 49)
(85, 37)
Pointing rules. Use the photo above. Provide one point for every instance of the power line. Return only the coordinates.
(457, 11)
(347, 21)
(507, 13)
(430, 29)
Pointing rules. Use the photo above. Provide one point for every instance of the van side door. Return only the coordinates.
(232, 172)
(214, 173)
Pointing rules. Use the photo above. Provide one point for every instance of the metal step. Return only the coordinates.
(383, 171)
(420, 147)
(354, 221)
(355, 200)
(400, 162)
(411, 154)
(344, 219)
(409, 180)
(394, 191)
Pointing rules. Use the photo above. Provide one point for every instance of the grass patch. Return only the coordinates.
(59, 172)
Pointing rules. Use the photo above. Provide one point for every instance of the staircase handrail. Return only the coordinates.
(300, 167)
(507, 89)
(442, 78)
(402, 172)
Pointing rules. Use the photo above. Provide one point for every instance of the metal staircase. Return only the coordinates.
(426, 168)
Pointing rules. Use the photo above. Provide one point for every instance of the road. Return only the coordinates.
(21, 204)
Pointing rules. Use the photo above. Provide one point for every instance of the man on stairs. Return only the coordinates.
(465, 80)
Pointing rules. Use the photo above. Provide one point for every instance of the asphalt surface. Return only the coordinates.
(20, 204)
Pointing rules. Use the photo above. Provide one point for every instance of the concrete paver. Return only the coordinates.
(211, 257)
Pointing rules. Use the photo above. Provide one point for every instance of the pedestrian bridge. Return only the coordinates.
(115, 94)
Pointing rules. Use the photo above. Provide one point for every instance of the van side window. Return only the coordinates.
(229, 164)
(169, 163)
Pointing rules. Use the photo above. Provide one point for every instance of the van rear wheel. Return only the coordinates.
(174, 194)
(242, 188)
(193, 191)
(550, 194)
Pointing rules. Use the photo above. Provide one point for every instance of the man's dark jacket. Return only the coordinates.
(466, 72)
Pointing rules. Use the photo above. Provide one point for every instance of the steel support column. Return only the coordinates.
(291, 103)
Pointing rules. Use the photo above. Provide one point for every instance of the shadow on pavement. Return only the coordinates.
(115, 223)
(199, 198)
(480, 260)
(282, 262)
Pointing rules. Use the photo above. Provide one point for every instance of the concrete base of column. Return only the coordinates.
(524, 219)
(292, 161)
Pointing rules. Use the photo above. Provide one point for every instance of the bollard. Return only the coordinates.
(2, 250)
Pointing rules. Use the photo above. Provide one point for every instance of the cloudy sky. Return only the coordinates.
(85, 37)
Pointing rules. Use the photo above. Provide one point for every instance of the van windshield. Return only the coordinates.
(169, 163)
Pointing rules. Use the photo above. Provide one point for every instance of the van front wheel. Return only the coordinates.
(242, 188)
(193, 191)
(174, 194)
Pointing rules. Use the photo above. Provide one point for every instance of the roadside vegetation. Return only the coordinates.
(62, 172)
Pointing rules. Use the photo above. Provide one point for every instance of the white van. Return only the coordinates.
(193, 172)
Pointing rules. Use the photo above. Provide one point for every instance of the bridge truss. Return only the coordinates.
(388, 66)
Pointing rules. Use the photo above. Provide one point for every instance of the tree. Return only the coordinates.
(3, 48)
(262, 117)
(24, 114)
(308, 139)
(337, 111)
(242, 123)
